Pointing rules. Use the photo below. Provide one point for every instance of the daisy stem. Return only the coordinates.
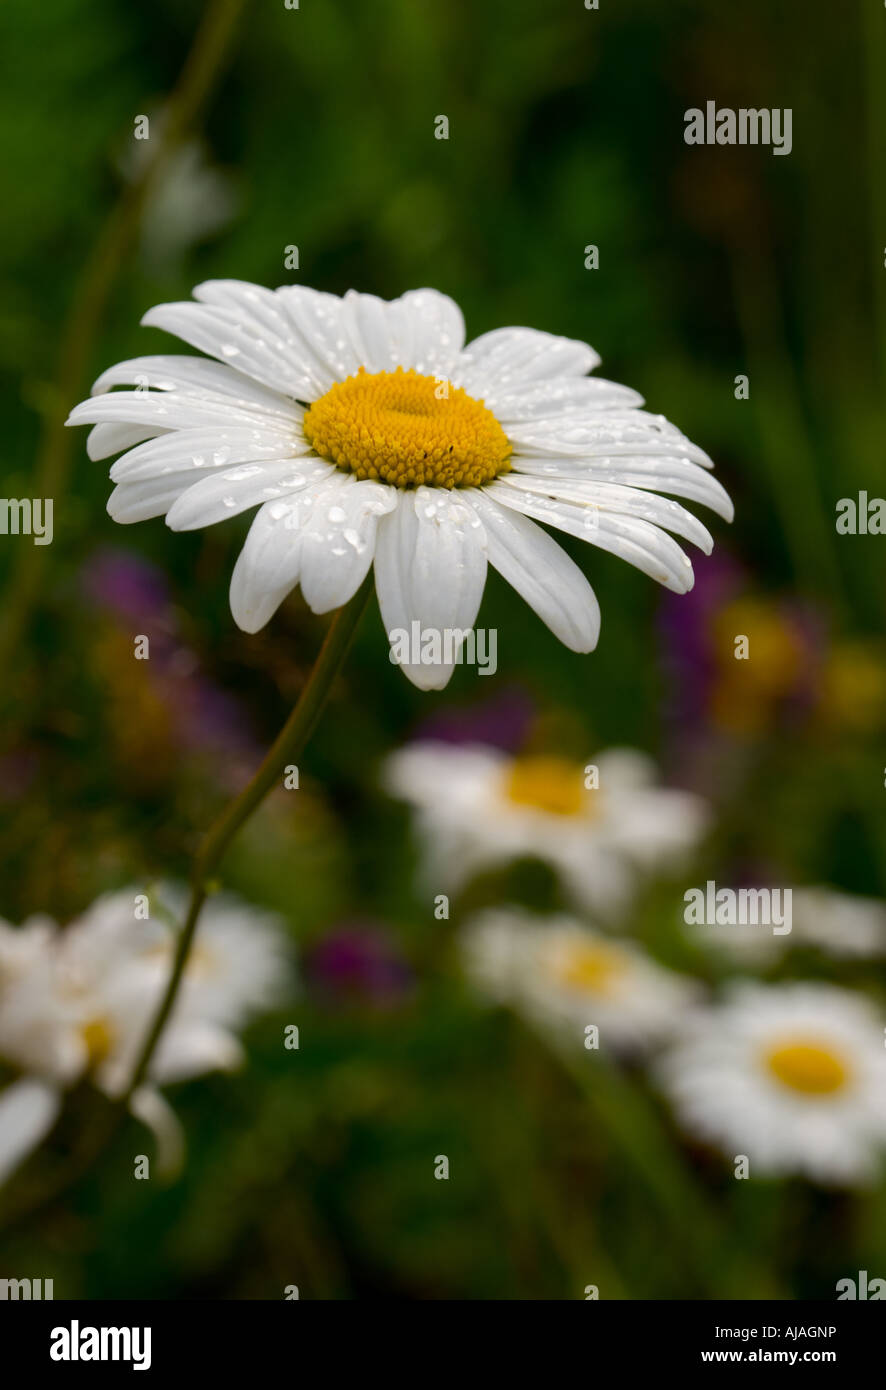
(288, 745)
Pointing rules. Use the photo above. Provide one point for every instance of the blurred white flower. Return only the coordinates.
(190, 199)
(563, 976)
(78, 1003)
(368, 434)
(791, 1075)
(838, 923)
(478, 807)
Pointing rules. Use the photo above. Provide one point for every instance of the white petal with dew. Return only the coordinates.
(430, 568)
(338, 540)
(195, 375)
(624, 501)
(204, 450)
(272, 355)
(604, 434)
(542, 573)
(561, 397)
(508, 360)
(676, 476)
(648, 548)
(229, 491)
(269, 565)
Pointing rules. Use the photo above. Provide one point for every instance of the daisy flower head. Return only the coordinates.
(599, 825)
(839, 924)
(78, 1003)
(366, 432)
(563, 976)
(822, 919)
(791, 1075)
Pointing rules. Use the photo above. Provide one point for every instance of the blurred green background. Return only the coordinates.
(316, 130)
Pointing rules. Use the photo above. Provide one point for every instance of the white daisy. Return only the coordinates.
(793, 1076)
(78, 1003)
(565, 977)
(838, 923)
(366, 430)
(478, 807)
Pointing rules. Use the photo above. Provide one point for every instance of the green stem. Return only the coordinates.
(289, 744)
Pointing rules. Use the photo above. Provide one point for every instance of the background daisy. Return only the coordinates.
(478, 807)
(564, 977)
(77, 1003)
(793, 1076)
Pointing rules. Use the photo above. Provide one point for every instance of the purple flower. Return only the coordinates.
(134, 596)
(502, 722)
(125, 585)
(358, 962)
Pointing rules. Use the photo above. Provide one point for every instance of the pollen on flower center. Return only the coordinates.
(594, 968)
(407, 429)
(550, 784)
(807, 1067)
(97, 1039)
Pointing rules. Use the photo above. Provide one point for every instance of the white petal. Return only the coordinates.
(338, 540)
(542, 573)
(641, 544)
(269, 564)
(192, 1048)
(626, 501)
(318, 322)
(372, 328)
(259, 341)
(562, 396)
(195, 376)
(203, 450)
(676, 476)
(508, 359)
(150, 497)
(170, 410)
(104, 440)
(153, 493)
(28, 1110)
(605, 434)
(437, 330)
(157, 1115)
(430, 568)
(229, 491)
(423, 329)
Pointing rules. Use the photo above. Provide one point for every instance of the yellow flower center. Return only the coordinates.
(406, 429)
(97, 1037)
(807, 1067)
(591, 967)
(554, 785)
